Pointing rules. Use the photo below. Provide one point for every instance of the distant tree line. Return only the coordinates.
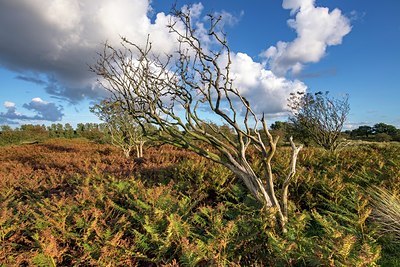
(100, 132)
(97, 132)
(380, 132)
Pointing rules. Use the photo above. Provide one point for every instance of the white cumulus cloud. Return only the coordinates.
(51, 43)
(316, 28)
(266, 92)
(58, 39)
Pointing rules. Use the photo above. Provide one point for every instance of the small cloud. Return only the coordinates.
(11, 113)
(357, 15)
(45, 111)
(38, 100)
(194, 10)
(9, 104)
(227, 18)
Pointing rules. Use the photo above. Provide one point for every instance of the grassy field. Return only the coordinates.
(78, 203)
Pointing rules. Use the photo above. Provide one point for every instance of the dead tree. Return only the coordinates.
(178, 93)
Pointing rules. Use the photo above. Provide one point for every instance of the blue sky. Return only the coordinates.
(45, 49)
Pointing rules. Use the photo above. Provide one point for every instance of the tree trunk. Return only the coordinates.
(127, 153)
(138, 152)
(253, 183)
(139, 149)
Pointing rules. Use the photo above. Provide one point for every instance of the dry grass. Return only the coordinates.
(386, 210)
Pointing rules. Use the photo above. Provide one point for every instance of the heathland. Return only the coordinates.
(74, 202)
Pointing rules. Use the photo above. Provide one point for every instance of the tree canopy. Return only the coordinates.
(319, 117)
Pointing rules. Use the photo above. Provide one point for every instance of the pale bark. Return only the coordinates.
(142, 81)
(289, 177)
(139, 148)
(127, 153)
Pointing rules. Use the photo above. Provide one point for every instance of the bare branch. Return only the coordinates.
(177, 93)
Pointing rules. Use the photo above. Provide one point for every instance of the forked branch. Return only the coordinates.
(177, 92)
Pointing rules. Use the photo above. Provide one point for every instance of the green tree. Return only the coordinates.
(383, 137)
(5, 128)
(56, 130)
(32, 133)
(385, 128)
(362, 131)
(9, 136)
(320, 116)
(68, 131)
